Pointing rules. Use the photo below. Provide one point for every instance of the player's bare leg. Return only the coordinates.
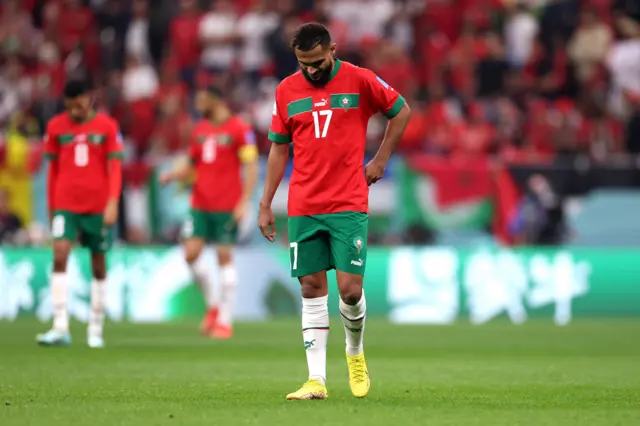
(59, 334)
(228, 285)
(315, 333)
(98, 290)
(192, 249)
(353, 307)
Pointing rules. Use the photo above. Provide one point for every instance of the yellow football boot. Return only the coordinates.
(358, 375)
(312, 389)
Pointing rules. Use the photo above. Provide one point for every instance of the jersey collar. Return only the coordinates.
(90, 117)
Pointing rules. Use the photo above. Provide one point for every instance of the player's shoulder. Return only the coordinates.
(58, 121)
(292, 82)
(354, 70)
(105, 119)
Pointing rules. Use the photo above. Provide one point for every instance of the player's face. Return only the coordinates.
(317, 63)
(79, 107)
(203, 102)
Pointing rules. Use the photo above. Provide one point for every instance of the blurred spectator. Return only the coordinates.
(218, 36)
(589, 45)
(139, 88)
(15, 88)
(185, 43)
(520, 31)
(624, 65)
(540, 218)
(10, 223)
(284, 63)
(253, 28)
(16, 30)
(137, 38)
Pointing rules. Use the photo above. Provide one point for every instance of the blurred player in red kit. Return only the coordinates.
(84, 184)
(222, 144)
(324, 109)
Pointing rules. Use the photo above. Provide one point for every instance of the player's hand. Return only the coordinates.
(240, 211)
(165, 178)
(374, 171)
(110, 213)
(267, 223)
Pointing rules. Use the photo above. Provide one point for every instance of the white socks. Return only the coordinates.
(202, 277)
(96, 318)
(353, 317)
(315, 332)
(59, 299)
(228, 284)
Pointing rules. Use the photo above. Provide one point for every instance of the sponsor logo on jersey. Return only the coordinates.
(250, 137)
(384, 83)
(321, 104)
(80, 138)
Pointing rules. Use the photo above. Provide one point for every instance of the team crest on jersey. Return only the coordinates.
(346, 103)
(358, 243)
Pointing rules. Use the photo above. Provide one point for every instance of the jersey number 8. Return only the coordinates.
(81, 154)
(209, 150)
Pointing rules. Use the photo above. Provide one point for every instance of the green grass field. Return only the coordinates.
(498, 374)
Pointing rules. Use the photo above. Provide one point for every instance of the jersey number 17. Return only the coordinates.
(317, 115)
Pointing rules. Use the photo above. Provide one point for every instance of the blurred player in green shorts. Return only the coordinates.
(221, 144)
(324, 109)
(84, 184)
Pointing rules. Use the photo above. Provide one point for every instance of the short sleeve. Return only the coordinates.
(382, 97)
(278, 132)
(246, 144)
(114, 141)
(51, 146)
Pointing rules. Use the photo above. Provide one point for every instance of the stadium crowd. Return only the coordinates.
(517, 80)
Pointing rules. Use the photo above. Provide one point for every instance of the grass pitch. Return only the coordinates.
(587, 373)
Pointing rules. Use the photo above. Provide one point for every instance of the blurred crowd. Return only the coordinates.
(516, 79)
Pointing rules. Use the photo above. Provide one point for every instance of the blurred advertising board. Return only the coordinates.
(422, 285)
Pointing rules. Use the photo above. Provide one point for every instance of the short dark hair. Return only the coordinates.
(215, 91)
(310, 35)
(75, 88)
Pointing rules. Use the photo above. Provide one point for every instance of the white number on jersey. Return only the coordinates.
(81, 154)
(209, 150)
(316, 122)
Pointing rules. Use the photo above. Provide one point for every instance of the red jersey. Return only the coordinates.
(82, 151)
(217, 152)
(328, 127)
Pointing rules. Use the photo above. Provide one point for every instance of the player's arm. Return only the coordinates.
(114, 170)
(181, 171)
(51, 149)
(280, 137)
(248, 154)
(386, 100)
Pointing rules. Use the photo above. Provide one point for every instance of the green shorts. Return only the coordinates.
(89, 227)
(328, 241)
(213, 227)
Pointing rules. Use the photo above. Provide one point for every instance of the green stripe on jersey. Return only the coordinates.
(299, 106)
(396, 107)
(97, 139)
(278, 138)
(65, 138)
(345, 100)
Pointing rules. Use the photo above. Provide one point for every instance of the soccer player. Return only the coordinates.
(324, 109)
(221, 144)
(84, 183)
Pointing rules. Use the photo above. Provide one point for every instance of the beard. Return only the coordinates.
(321, 77)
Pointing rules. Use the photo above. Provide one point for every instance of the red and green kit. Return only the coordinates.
(328, 193)
(84, 173)
(218, 152)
